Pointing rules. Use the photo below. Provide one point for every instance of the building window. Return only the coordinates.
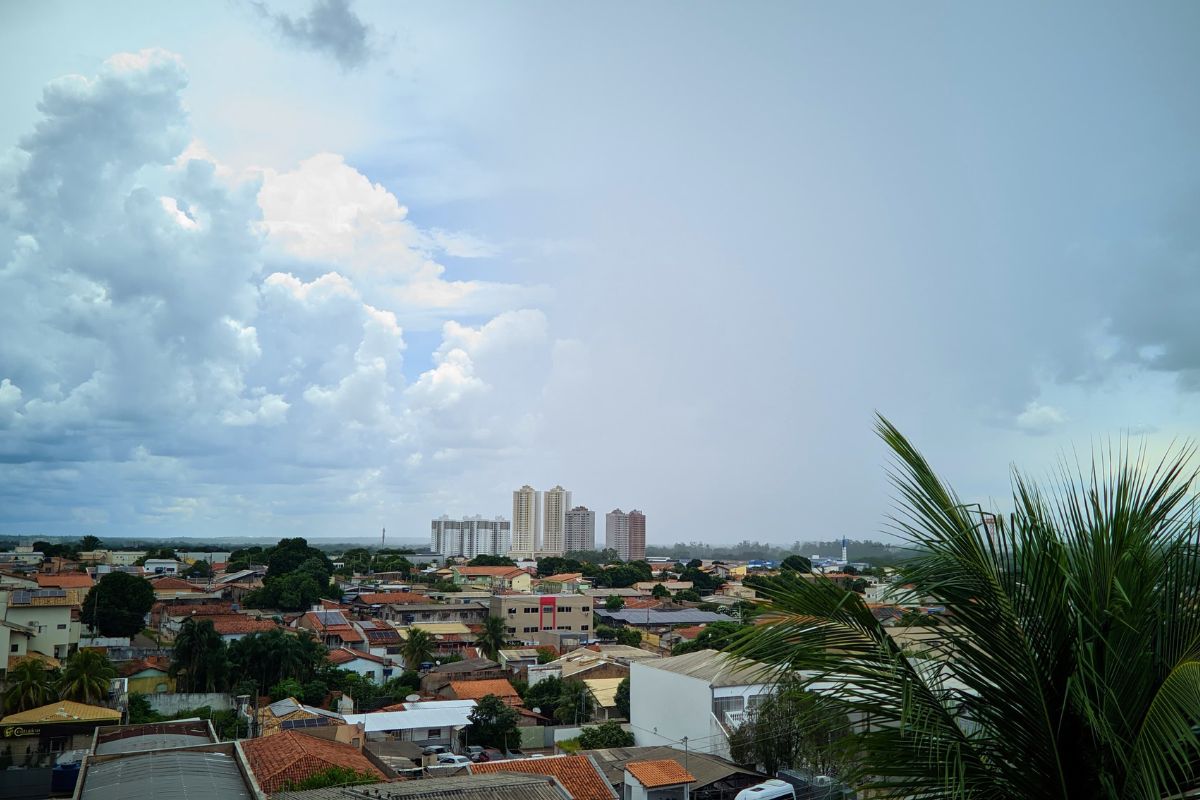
(564, 627)
(547, 627)
(14, 648)
(530, 610)
(531, 630)
(62, 627)
(435, 733)
(564, 609)
(583, 627)
(721, 705)
(512, 610)
(586, 609)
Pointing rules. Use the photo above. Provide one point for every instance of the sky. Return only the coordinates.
(317, 268)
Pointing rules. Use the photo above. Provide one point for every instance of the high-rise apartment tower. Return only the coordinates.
(581, 529)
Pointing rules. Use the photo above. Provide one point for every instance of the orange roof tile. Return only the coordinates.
(577, 774)
(653, 774)
(174, 583)
(343, 655)
(474, 690)
(234, 624)
(690, 632)
(66, 580)
(291, 756)
(564, 576)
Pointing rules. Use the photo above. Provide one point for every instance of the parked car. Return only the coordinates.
(452, 759)
(435, 749)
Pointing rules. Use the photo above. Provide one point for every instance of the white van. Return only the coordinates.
(768, 790)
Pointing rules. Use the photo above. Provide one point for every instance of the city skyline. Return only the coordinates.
(334, 266)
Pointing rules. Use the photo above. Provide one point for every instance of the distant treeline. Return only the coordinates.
(877, 553)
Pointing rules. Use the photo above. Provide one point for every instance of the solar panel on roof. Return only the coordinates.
(315, 722)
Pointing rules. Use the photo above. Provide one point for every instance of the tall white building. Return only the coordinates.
(581, 529)
(555, 504)
(616, 533)
(470, 536)
(526, 523)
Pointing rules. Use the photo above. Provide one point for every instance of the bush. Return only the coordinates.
(609, 734)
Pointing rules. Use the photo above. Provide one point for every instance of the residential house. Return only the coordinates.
(425, 722)
(470, 669)
(148, 676)
(477, 690)
(709, 695)
(162, 566)
(178, 590)
(716, 778)
(332, 628)
(385, 605)
(449, 638)
(579, 664)
(511, 579)
(517, 660)
(658, 620)
(382, 639)
(232, 627)
(377, 668)
(39, 621)
(152, 771)
(670, 586)
(564, 583)
(579, 775)
(604, 694)
(75, 584)
(656, 780)
(459, 787)
(275, 717)
(291, 756)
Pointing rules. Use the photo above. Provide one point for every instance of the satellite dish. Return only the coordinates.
(412, 698)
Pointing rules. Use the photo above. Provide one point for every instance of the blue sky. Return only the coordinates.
(315, 268)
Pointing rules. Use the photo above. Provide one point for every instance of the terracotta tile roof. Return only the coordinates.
(690, 632)
(66, 580)
(653, 774)
(564, 576)
(239, 623)
(64, 711)
(153, 662)
(474, 690)
(343, 655)
(577, 774)
(200, 610)
(291, 756)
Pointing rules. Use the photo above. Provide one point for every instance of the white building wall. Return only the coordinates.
(526, 522)
(665, 706)
(555, 504)
(616, 533)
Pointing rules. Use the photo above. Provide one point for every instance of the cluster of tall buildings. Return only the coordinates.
(470, 536)
(626, 533)
(543, 524)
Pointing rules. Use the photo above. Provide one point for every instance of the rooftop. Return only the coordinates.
(153, 736)
(713, 667)
(385, 598)
(170, 775)
(63, 711)
(476, 690)
(707, 769)
(663, 772)
(290, 756)
(495, 786)
(66, 580)
(578, 774)
(652, 617)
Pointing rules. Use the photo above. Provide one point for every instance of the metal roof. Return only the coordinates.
(448, 714)
(713, 667)
(150, 741)
(498, 786)
(171, 775)
(707, 769)
(650, 616)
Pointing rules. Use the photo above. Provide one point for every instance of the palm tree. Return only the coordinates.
(418, 649)
(85, 677)
(493, 638)
(28, 685)
(200, 657)
(1070, 665)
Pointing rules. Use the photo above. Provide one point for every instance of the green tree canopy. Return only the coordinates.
(494, 724)
(86, 677)
(660, 591)
(486, 560)
(200, 661)
(418, 648)
(796, 563)
(493, 638)
(614, 602)
(623, 698)
(607, 734)
(714, 636)
(27, 685)
(118, 604)
(1073, 650)
(89, 542)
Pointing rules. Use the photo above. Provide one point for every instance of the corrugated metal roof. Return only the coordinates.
(714, 667)
(172, 775)
(152, 741)
(652, 617)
